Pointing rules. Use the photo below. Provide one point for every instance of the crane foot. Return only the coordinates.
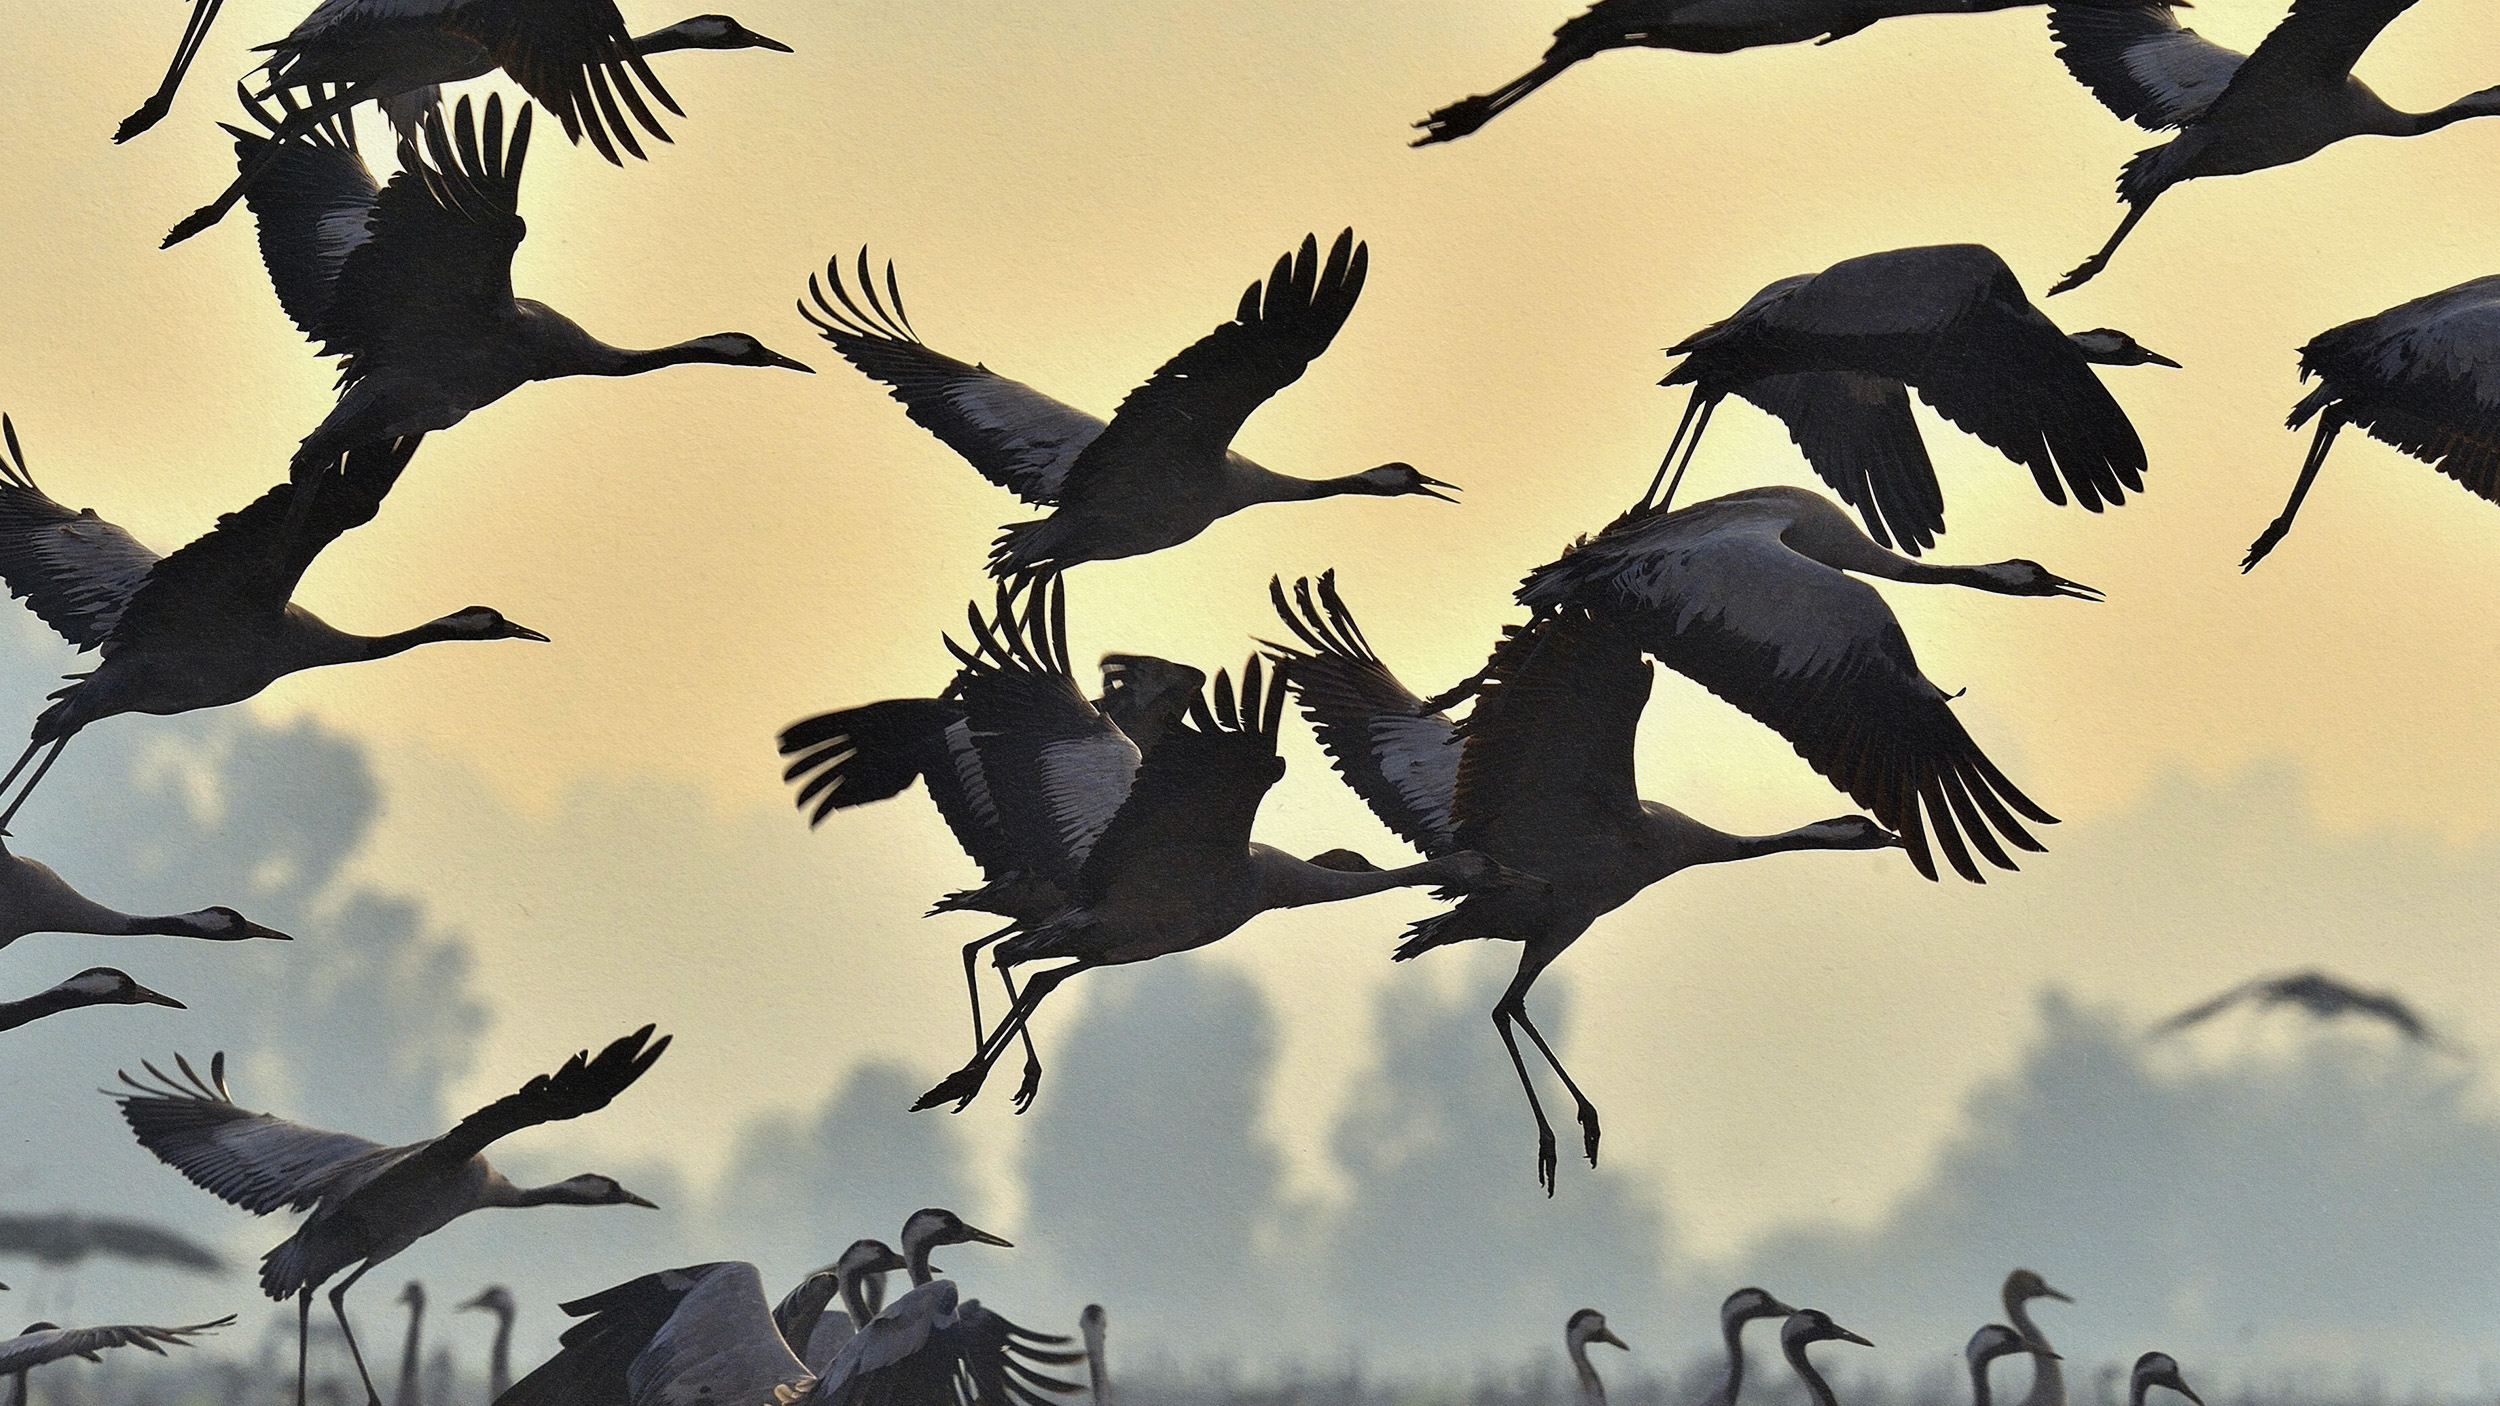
(1588, 1132)
(1032, 1085)
(959, 1087)
(1546, 1162)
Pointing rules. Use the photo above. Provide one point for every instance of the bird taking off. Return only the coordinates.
(2324, 997)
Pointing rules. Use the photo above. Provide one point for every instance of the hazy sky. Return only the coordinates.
(2256, 772)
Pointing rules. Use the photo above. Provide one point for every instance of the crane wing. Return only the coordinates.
(719, 1345)
(584, 1085)
(313, 202)
(253, 1160)
(1057, 768)
(2141, 62)
(1190, 409)
(859, 755)
(923, 1351)
(1546, 766)
(1858, 433)
(2306, 58)
(1399, 755)
(2423, 377)
(248, 565)
(595, 1354)
(436, 270)
(1716, 594)
(31, 1350)
(76, 571)
(1197, 796)
(1019, 438)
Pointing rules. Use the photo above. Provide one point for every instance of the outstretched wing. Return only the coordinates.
(32, 1350)
(2420, 377)
(583, 1086)
(1057, 769)
(313, 201)
(1858, 433)
(257, 1161)
(859, 755)
(69, 1238)
(75, 570)
(1399, 755)
(923, 1351)
(719, 1345)
(2309, 54)
(595, 1354)
(1546, 760)
(436, 270)
(1190, 409)
(2141, 62)
(1196, 798)
(1019, 438)
(1715, 593)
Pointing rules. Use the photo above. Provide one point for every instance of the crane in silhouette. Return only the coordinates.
(1735, 1311)
(1155, 857)
(1752, 596)
(368, 1201)
(1538, 778)
(1987, 1345)
(931, 1345)
(2048, 1375)
(212, 624)
(573, 56)
(1163, 470)
(2323, 996)
(2292, 97)
(411, 1359)
(2423, 377)
(1835, 354)
(50, 1342)
(1695, 27)
(412, 283)
(96, 986)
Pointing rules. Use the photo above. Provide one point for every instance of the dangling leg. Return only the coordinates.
(965, 1083)
(1692, 404)
(203, 14)
(1668, 502)
(2090, 268)
(1032, 1057)
(1587, 1110)
(48, 759)
(303, 1338)
(22, 759)
(338, 1305)
(2328, 423)
(972, 984)
(297, 123)
(1545, 1159)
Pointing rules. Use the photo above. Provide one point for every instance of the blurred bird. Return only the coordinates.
(1835, 354)
(1154, 857)
(1696, 27)
(2156, 1369)
(2324, 997)
(410, 1358)
(1538, 778)
(573, 56)
(1804, 1328)
(212, 624)
(35, 899)
(1094, 1324)
(96, 986)
(2291, 98)
(412, 283)
(2423, 377)
(49, 1342)
(497, 1300)
(1735, 1311)
(2048, 1375)
(368, 1201)
(1750, 596)
(1985, 1347)
(1585, 1327)
(69, 1238)
(1163, 470)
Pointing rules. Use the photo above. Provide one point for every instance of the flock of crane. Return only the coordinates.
(1116, 829)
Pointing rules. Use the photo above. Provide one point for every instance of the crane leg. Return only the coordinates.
(338, 1306)
(297, 123)
(203, 14)
(1032, 1083)
(2090, 268)
(1545, 1159)
(303, 1339)
(972, 983)
(964, 1084)
(48, 759)
(1692, 404)
(1586, 1111)
(2328, 423)
(1667, 502)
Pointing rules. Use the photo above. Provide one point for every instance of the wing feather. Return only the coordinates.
(257, 1161)
(76, 571)
(1399, 755)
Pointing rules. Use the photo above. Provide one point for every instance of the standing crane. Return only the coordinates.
(35, 899)
(1735, 1311)
(1695, 27)
(2048, 1375)
(1585, 1327)
(1539, 778)
(573, 56)
(410, 1360)
(2423, 377)
(497, 1300)
(1154, 857)
(1834, 355)
(210, 625)
(368, 1201)
(412, 283)
(1094, 1324)
(96, 986)
(2291, 98)
(1163, 470)
(1804, 1328)
(1990, 1343)
(50, 1342)
(1750, 595)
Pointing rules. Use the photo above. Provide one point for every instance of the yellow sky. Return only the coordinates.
(1075, 191)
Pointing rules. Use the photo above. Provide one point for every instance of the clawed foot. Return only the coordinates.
(1588, 1132)
(2084, 273)
(1454, 121)
(1545, 1159)
(960, 1087)
(1032, 1085)
(149, 114)
(2266, 540)
(192, 224)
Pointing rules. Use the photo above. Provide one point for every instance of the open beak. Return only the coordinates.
(1430, 483)
(158, 998)
(252, 930)
(2060, 586)
(632, 1200)
(788, 363)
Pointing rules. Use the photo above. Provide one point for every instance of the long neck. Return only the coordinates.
(856, 1299)
(43, 1003)
(1261, 485)
(1816, 1387)
(46, 903)
(1733, 1330)
(1287, 882)
(916, 1264)
(662, 41)
(1979, 1381)
(1097, 1364)
(2047, 1380)
(408, 1353)
(2483, 104)
(1592, 1390)
(319, 643)
(499, 1369)
(600, 359)
(556, 1194)
(18, 1390)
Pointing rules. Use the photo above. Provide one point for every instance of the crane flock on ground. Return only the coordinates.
(1116, 829)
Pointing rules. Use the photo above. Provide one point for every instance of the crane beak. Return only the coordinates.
(1607, 1335)
(774, 358)
(976, 1236)
(2182, 1388)
(2060, 586)
(524, 632)
(2045, 1291)
(1846, 1336)
(632, 1200)
(1430, 483)
(252, 930)
(145, 997)
(758, 41)
(2154, 358)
